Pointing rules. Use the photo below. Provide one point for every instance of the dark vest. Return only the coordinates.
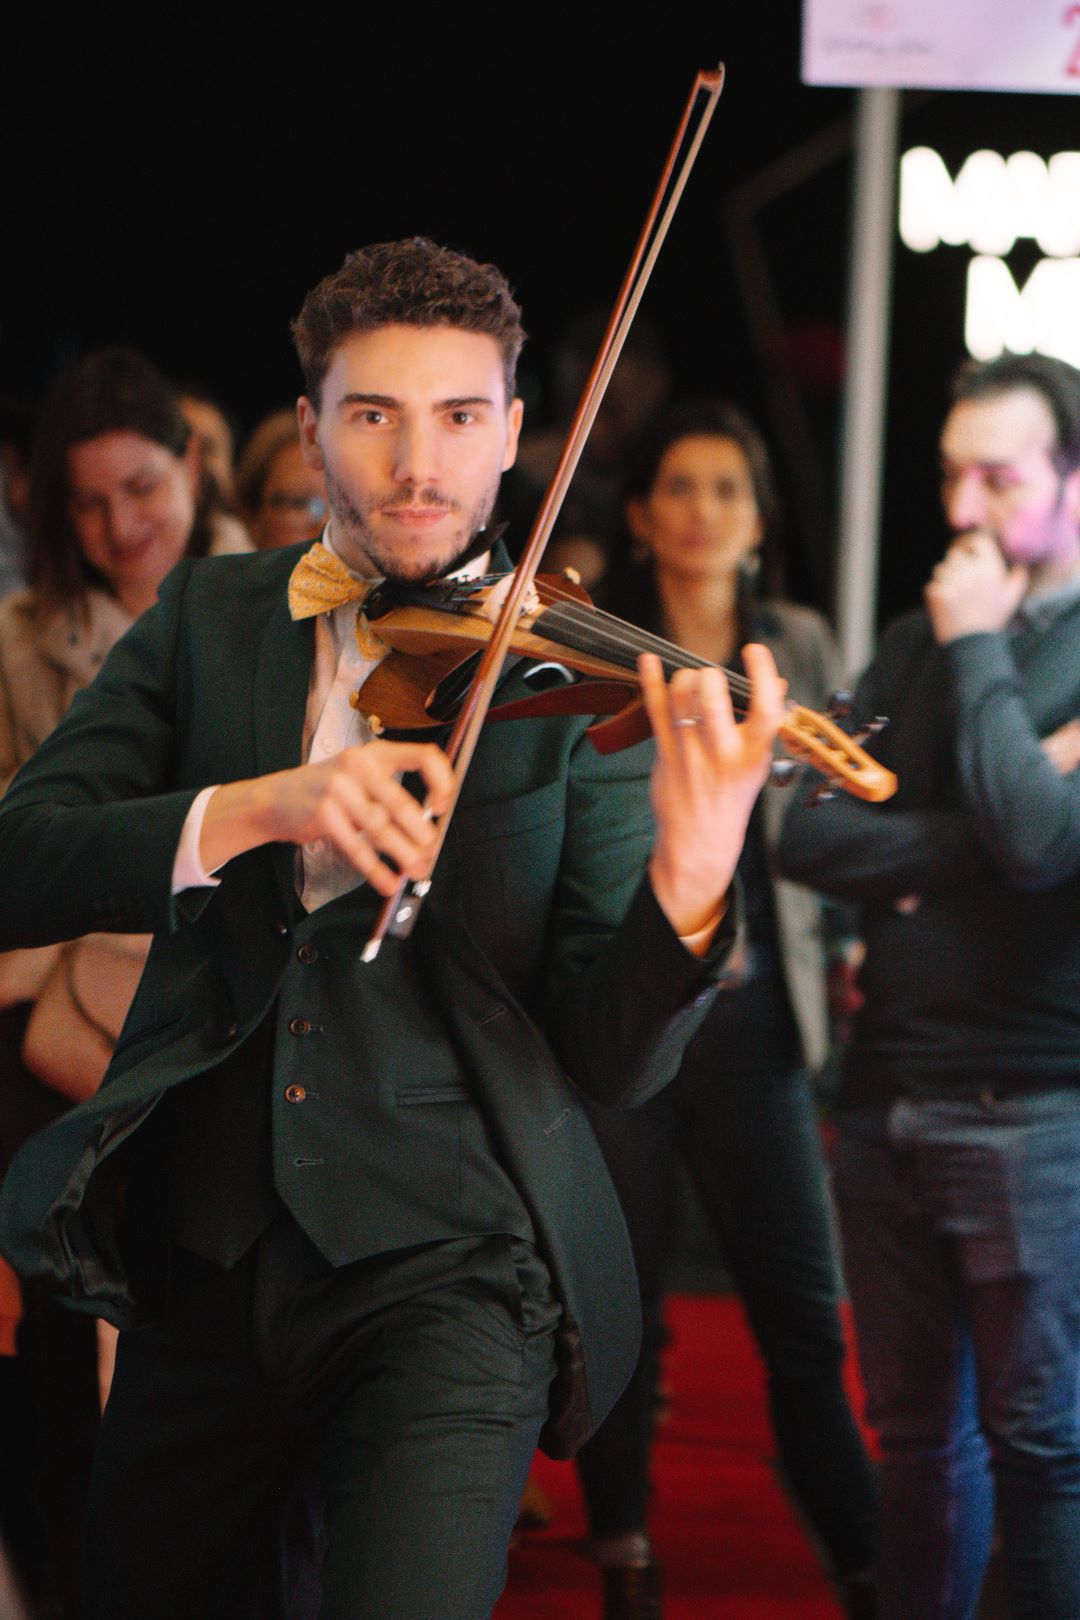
(386, 1153)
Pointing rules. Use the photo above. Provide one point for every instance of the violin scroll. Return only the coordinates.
(819, 741)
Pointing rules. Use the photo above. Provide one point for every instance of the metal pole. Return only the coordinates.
(863, 431)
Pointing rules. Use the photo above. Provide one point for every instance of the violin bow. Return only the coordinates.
(399, 911)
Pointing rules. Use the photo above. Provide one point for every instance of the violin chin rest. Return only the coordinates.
(622, 730)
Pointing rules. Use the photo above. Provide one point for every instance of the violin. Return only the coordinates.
(807, 735)
(585, 662)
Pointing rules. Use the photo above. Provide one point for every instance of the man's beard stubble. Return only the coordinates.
(353, 523)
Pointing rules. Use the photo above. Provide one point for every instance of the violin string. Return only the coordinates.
(602, 632)
(606, 633)
(622, 634)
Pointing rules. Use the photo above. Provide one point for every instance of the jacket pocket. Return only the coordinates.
(411, 1096)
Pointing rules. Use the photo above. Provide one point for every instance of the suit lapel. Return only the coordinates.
(282, 677)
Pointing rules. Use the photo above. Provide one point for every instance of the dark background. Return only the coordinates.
(179, 181)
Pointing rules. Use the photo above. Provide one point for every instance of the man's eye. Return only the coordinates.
(372, 417)
(462, 418)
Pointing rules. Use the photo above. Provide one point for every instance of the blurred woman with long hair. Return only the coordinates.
(117, 497)
(701, 511)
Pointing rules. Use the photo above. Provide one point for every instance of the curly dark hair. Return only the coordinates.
(114, 390)
(409, 283)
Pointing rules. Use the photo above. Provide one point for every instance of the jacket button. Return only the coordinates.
(229, 1032)
(295, 1094)
(308, 954)
(281, 927)
(299, 1026)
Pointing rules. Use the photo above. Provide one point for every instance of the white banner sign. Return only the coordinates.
(944, 44)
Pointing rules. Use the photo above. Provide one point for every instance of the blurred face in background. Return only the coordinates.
(700, 519)
(215, 441)
(131, 502)
(293, 502)
(998, 476)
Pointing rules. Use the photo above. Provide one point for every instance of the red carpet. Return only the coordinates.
(729, 1541)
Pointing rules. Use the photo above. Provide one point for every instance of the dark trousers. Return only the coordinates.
(49, 1396)
(750, 1141)
(408, 1391)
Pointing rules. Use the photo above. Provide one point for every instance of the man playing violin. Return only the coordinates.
(958, 1165)
(348, 1214)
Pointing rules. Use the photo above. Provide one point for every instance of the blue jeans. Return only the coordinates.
(961, 1227)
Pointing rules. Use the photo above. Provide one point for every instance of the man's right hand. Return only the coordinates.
(973, 588)
(356, 800)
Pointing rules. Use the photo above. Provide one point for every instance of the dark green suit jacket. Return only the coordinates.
(540, 947)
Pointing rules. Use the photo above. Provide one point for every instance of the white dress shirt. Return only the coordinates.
(331, 724)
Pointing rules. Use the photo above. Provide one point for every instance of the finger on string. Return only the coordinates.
(767, 692)
(717, 727)
(684, 693)
(657, 705)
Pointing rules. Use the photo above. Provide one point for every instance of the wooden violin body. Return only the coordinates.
(592, 656)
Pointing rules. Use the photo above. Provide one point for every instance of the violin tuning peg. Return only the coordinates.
(871, 729)
(840, 704)
(821, 795)
(782, 770)
(571, 574)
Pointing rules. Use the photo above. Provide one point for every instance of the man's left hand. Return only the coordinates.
(709, 771)
(973, 588)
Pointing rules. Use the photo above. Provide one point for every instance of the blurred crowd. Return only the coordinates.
(674, 523)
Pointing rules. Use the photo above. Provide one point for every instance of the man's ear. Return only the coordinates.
(514, 418)
(307, 418)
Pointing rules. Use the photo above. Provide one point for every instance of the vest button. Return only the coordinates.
(299, 1026)
(295, 1094)
(281, 927)
(308, 954)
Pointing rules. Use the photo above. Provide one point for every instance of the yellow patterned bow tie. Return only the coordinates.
(320, 582)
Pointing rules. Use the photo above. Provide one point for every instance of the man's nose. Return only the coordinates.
(965, 502)
(416, 458)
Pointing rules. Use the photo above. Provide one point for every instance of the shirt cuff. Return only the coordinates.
(698, 943)
(188, 870)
